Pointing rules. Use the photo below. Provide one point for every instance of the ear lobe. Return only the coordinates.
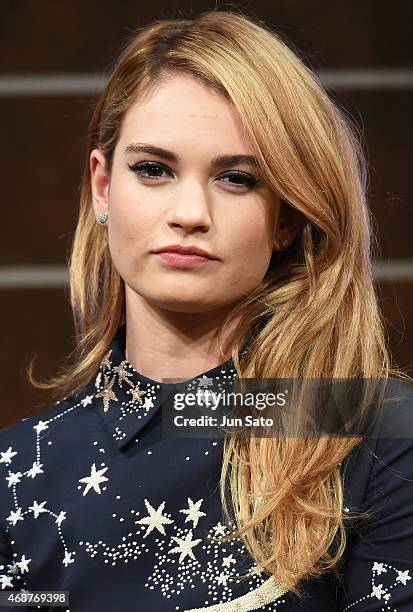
(290, 222)
(282, 242)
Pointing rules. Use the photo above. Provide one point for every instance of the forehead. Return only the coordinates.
(182, 109)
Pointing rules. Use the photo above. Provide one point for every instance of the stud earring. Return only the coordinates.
(285, 244)
(102, 217)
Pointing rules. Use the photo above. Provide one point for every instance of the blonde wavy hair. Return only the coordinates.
(314, 315)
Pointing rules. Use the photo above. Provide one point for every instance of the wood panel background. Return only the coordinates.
(43, 149)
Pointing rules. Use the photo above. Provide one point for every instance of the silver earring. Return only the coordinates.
(102, 217)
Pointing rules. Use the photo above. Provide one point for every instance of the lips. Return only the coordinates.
(185, 250)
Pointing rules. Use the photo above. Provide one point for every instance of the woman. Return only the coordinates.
(223, 234)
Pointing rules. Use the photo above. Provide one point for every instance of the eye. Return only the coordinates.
(247, 180)
(142, 168)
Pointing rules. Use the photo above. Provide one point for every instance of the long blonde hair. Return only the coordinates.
(314, 315)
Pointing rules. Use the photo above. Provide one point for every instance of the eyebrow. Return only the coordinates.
(220, 160)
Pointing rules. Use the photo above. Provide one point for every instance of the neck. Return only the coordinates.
(163, 344)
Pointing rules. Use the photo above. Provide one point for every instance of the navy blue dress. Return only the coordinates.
(94, 501)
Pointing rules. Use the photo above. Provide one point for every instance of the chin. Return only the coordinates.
(187, 306)
(178, 303)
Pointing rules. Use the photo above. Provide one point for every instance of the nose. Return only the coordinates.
(190, 206)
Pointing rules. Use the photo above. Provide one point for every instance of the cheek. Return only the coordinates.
(251, 241)
(249, 259)
(130, 212)
(130, 228)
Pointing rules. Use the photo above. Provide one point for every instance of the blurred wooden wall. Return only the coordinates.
(54, 55)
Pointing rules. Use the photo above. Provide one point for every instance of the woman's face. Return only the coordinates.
(185, 196)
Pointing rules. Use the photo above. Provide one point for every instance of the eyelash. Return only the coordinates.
(251, 181)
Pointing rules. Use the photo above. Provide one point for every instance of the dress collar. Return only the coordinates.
(127, 400)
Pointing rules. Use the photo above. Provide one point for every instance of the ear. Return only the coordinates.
(99, 181)
(290, 222)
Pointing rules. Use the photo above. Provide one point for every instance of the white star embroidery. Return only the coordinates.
(38, 508)
(155, 519)
(378, 591)
(379, 568)
(68, 559)
(403, 577)
(5, 581)
(41, 426)
(60, 518)
(193, 512)
(14, 478)
(185, 546)
(23, 564)
(219, 529)
(7, 456)
(148, 403)
(15, 516)
(255, 569)
(87, 400)
(94, 480)
(13, 568)
(222, 578)
(36, 469)
(226, 562)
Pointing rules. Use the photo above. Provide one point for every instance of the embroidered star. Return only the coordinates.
(36, 469)
(219, 529)
(15, 516)
(205, 381)
(105, 361)
(14, 478)
(94, 480)
(148, 403)
(86, 400)
(107, 393)
(403, 577)
(155, 519)
(23, 564)
(38, 508)
(185, 546)
(60, 518)
(379, 568)
(378, 591)
(222, 578)
(41, 426)
(13, 568)
(226, 562)
(68, 559)
(7, 456)
(193, 512)
(137, 394)
(5, 581)
(255, 569)
(123, 374)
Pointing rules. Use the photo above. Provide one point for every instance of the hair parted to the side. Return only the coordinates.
(314, 315)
